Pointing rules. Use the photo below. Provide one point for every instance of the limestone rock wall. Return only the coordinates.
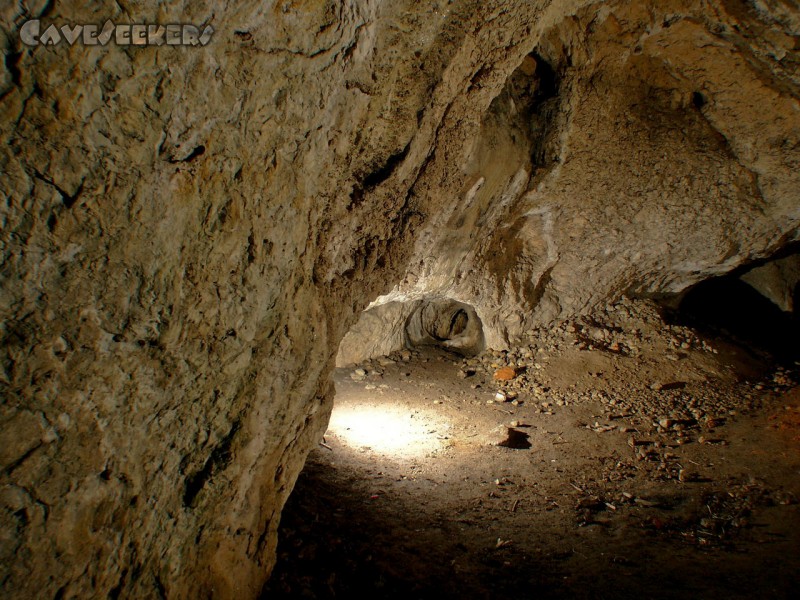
(778, 281)
(379, 331)
(187, 234)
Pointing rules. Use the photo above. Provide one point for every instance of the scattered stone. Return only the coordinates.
(645, 503)
(505, 374)
(601, 428)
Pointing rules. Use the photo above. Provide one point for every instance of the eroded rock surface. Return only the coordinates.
(627, 152)
(188, 233)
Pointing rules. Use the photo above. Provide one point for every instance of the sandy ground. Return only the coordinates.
(628, 459)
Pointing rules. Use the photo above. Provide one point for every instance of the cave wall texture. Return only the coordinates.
(188, 233)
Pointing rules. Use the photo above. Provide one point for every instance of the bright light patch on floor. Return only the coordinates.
(390, 430)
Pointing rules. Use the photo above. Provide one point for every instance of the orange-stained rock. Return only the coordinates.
(505, 374)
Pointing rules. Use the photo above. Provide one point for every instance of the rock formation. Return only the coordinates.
(189, 232)
(778, 281)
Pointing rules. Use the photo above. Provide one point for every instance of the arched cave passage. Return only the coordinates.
(627, 435)
(447, 324)
(424, 323)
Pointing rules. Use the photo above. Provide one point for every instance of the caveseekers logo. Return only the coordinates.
(33, 33)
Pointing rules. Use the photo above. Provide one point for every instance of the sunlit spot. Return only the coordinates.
(390, 430)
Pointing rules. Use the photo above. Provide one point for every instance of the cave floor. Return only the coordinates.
(658, 465)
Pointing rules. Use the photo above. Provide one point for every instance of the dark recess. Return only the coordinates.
(67, 199)
(162, 591)
(728, 307)
(219, 459)
(116, 591)
(535, 95)
(47, 9)
(12, 64)
(377, 177)
(198, 151)
(698, 100)
(543, 109)
(548, 79)
(458, 322)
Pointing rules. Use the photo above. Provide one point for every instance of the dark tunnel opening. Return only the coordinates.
(448, 324)
(731, 308)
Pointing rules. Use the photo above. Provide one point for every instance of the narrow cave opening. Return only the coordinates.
(431, 322)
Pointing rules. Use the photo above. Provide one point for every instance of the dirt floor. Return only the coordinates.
(626, 458)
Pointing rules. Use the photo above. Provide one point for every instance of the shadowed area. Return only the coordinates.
(728, 306)
(617, 457)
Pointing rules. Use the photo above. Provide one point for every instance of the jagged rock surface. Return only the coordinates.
(187, 234)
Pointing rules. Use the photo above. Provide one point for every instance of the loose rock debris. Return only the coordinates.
(614, 486)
